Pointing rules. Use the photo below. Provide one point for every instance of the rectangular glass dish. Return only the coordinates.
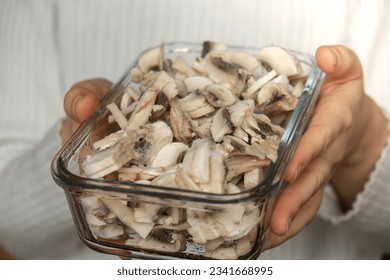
(135, 219)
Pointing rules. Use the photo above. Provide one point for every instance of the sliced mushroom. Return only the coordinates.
(221, 125)
(146, 101)
(196, 105)
(218, 95)
(152, 59)
(275, 97)
(182, 66)
(169, 155)
(213, 46)
(100, 163)
(175, 243)
(222, 253)
(250, 93)
(126, 216)
(280, 60)
(157, 135)
(196, 83)
(180, 122)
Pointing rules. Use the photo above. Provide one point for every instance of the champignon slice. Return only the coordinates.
(249, 220)
(253, 178)
(213, 46)
(228, 219)
(180, 122)
(169, 155)
(182, 66)
(100, 163)
(184, 181)
(157, 135)
(145, 103)
(222, 253)
(275, 97)
(238, 164)
(250, 93)
(126, 216)
(241, 110)
(117, 114)
(280, 60)
(201, 226)
(218, 95)
(152, 59)
(243, 59)
(167, 179)
(221, 125)
(196, 83)
(217, 178)
(196, 105)
(146, 213)
(137, 173)
(172, 245)
(196, 162)
(297, 90)
(109, 140)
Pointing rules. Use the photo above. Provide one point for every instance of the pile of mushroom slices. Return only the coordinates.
(210, 125)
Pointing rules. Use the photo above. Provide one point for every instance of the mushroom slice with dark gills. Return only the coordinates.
(196, 105)
(180, 122)
(164, 242)
(157, 135)
(221, 125)
(275, 98)
(218, 95)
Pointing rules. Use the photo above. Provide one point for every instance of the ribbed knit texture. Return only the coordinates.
(46, 46)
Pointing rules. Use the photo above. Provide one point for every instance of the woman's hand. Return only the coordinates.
(80, 102)
(341, 145)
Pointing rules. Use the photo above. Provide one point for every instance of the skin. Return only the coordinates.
(341, 145)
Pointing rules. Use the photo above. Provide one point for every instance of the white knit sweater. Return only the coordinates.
(46, 46)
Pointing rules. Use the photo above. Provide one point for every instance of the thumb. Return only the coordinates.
(83, 98)
(340, 64)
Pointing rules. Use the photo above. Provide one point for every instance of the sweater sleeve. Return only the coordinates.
(34, 208)
(371, 209)
(35, 221)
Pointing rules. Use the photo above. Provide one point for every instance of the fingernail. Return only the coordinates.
(297, 173)
(288, 224)
(74, 107)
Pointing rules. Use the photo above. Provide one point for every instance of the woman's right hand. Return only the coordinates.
(80, 102)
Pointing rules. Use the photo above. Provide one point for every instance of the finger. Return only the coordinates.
(83, 97)
(297, 194)
(331, 115)
(340, 64)
(305, 215)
